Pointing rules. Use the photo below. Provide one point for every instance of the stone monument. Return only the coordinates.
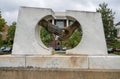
(29, 51)
(27, 39)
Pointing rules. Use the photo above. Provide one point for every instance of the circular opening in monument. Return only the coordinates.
(60, 34)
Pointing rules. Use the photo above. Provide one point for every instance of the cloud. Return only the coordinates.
(10, 16)
(10, 8)
(6, 5)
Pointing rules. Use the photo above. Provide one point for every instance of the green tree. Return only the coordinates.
(108, 22)
(11, 33)
(2, 23)
(74, 39)
(45, 36)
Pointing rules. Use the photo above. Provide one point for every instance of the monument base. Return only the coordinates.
(59, 67)
(61, 61)
(36, 73)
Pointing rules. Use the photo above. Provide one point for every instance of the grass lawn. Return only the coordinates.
(117, 53)
(61, 53)
(4, 53)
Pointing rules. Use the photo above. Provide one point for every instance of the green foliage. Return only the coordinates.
(73, 40)
(108, 22)
(11, 33)
(1, 43)
(117, 53)
(114, 44)
(45, 36)
(2, 23)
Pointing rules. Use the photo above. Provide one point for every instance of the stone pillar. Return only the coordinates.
(53, 22)
(67, 22)
(27, 36)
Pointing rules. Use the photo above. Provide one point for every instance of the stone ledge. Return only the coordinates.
(56, 61)
(104, 62)
(12, 61)
(80, 62)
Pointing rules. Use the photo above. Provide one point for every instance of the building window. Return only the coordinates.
(60, 23)
(1, 33)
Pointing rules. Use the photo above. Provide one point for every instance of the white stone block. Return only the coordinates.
(104, 62)
(27, 36)
(12, 61)
(80, 62)
(93, 39)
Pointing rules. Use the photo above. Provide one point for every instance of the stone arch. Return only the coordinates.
(48, 18)
(38, 28)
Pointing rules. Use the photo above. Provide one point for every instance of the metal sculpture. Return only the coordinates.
(64, 33)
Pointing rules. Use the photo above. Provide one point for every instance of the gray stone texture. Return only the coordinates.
(27, 36)
(60, 61)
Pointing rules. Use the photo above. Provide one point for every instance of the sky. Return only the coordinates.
(10, 8)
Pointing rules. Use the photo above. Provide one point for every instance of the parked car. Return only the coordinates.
(7, 49)
(110, 50)
(2, 48)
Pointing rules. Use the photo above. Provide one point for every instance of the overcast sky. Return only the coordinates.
(10, 8)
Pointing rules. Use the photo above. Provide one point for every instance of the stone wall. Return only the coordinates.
(34, 73)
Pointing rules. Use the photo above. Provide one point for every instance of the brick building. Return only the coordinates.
(4, 33)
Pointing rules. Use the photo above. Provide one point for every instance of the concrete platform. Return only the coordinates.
(36, 73)
(104, 62)
(61, 61)
(57, 61)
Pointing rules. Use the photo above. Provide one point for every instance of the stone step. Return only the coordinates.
(61, 61)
